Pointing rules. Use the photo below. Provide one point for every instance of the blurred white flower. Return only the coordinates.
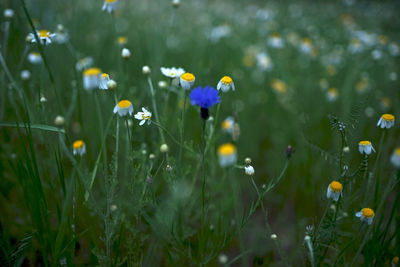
(79, 147)
(249, 170)
(25, 75)
(386, 121)
(227, 155)
(8, 13)
(365, 147)
(45, 37)
(110, 5)
(276, 41)
(172, 72)
(34, 58)
(366, 215)
(395, 157)
(84, 63)
(123, 108)
(91, 78)
(264, 62)
(104, 78)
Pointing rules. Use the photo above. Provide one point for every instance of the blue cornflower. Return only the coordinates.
(204, 97)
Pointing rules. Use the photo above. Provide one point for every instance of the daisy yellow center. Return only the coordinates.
(275, 35)
(335, 186)
(44, 33)
(36, 54)
(367, 212)
(92, 72)
(388, 117)
(226, 149)
(78, 144)
(333, 91)
(226, 124)
(365, 143)
(395, 260)
(279, 86)
(110, 1)
(104, 75)
(397, 151)
(146, 117)
(124, 104)
(188, 77)
(226, 80)
(306, 40)
(122, 40)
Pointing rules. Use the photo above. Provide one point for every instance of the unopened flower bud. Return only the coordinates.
(146, 70)
(249, 170)
(164, 148)
(43, 99)
(149, 180)
(346, 149)
(222, 258)
(8, 13)
(59, 120)
(113, 207)
(247, 161)
(162, 84)
(152, 156)
(29, 38)
(60, 28)
(176, 3)
(307, 238)
(274, 236)
(168, 168)
(125, 53)
(111, 85)
(25, 75)
(289, 151)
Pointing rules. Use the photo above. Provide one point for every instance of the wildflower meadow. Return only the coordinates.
(199, 133)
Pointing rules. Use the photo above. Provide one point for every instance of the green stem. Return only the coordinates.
(182, 126)
(375, 170)
(153, 100)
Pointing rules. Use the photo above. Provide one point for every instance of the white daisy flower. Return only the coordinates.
(110, 5)
(306, 46)
(332, 94)
(187, 80)
(264, 62)
(228, 124)
(143, 116)
(334, 190)
(79, 147)
(84, 63)
(394, 49)
(225, 84)
(395, 157)
(45, 37)
(276, 41)
(123, 108)
(386, 121)
(227, 155)
(104, 78)
(366, 215)
(249, 170)
(91, 78)
(355, 46)
(34, 58)
(172, 72)
(365, 147)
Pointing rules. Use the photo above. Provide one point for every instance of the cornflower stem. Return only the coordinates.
(183, 126)
(375, 170)
(203, 188)
(153, 100)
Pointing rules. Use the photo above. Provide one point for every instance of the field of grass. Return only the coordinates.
(281, 172)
